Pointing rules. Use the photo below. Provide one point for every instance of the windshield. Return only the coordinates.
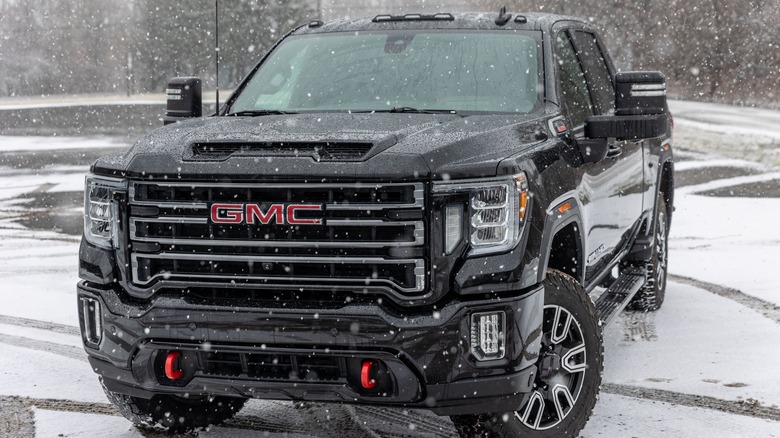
(495, 72)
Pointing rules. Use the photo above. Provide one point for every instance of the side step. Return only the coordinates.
(615, 299)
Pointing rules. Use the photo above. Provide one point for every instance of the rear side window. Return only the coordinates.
(600, 82)
(576, 97)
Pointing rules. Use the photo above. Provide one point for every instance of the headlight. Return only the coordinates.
(497, 211)
(100, 210)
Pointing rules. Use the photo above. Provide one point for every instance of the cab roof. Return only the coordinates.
(442, 20)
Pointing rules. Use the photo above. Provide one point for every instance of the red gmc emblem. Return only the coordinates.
(253, 214)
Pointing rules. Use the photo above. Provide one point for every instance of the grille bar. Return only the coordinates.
(418, 235)
(418, 266)
(417, 202)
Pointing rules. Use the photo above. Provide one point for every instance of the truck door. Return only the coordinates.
(627, 155)
(599, 183)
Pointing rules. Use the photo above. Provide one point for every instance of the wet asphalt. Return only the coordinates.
(50, 211)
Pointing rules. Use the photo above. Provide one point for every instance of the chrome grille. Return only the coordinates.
(370, 236)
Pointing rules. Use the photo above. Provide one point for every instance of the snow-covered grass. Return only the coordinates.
(726, 119)
(54, 143)
(736, 132)
(64, 100)
(697, 343)
(616, 416)
(29, 372)
(39, 271)
(733, 242)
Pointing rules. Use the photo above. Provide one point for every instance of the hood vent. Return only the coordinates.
(327, 151)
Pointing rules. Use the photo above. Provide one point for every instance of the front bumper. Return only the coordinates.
(427, 355)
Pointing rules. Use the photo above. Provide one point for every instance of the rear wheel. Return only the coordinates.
(175, 414)
(651, 296)
(568, 371)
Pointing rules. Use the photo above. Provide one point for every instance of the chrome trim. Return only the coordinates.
(648, 90)
(110, 180)
(419, 194)
(274, 243)
(276, 259)
(170, 220)
(369, 222)
(419, 268)
(656, 93)
(418, 234)
(363, 207)
(639, 87)
(173, 205)
(466, 185)
(200, 184)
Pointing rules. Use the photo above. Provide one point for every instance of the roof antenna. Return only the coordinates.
(503, 17)
(216, 37)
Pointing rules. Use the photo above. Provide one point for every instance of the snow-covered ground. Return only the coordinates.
(737, 132)
(43, 144)
(55, 100)
(704, 364)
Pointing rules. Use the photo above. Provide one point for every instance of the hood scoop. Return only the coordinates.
(319, 151)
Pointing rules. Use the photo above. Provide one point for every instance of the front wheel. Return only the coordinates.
(568, 371)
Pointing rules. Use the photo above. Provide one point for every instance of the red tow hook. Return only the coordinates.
(173, 369)
(367, 381)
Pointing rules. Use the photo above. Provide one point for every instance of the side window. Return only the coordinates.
(576, 98)
(602, 89)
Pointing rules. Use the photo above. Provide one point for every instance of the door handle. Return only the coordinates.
(614, 151)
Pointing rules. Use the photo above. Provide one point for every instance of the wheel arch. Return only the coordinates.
(562, 242)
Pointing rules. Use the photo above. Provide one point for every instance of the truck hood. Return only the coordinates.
(400, 147)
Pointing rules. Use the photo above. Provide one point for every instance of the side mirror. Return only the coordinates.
(640, 109)
(640, 93)
(185, 100)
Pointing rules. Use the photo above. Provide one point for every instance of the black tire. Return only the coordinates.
(651, 296)
(580, 346)
(175, 414)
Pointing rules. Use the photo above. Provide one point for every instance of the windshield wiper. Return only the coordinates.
(408, 109)
(255, 113)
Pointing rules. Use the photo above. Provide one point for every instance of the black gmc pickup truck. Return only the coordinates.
(407, 211)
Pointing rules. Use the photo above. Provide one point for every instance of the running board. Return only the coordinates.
(617, 297)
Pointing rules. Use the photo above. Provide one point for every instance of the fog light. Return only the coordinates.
(92, 321)
(487, 335)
